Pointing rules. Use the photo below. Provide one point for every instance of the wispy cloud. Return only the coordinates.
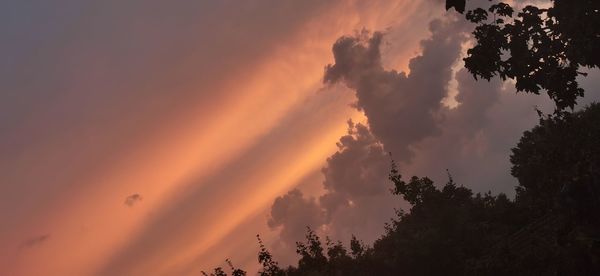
(133, 199)
(35, 241)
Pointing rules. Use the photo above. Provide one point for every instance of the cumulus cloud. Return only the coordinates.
(294, 213)
(407, 116)
(469, 144)
(470, 140)
(401, 108)
(356, 198)
(362, 152)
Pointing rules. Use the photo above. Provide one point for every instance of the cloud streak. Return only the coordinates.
(35, 241)
(132, 200)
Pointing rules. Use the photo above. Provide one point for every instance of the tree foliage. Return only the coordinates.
(220, 272)
(552, 227)
(269, 266)
(541, 49)
(557, 163)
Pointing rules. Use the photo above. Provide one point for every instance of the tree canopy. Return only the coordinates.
(557, 164)
(552, 227)
(541, 49)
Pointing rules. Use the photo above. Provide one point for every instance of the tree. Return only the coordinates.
(220, 272)
(444, 230)
(552, 227)
(557, 164)
(539, 48)
(313, 260)
(269, 266)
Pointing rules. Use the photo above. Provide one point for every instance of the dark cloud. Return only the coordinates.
(357, 170)
(401, 108)
(406, 116)
(132, 199)
(294, 213)
(468, 144)
(356, 198)
(362, 152)
(35, 241)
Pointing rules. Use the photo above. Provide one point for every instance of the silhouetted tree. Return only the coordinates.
(540, 48)
(269, 266)
(217, 272)
(220, 272)
(557, 164)
(551, 228)
(443, 229)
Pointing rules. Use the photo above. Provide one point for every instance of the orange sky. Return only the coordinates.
(208, 111)
(209, 125)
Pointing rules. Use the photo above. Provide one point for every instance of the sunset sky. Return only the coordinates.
(159, 137)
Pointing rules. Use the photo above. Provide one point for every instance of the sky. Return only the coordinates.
(160, 137)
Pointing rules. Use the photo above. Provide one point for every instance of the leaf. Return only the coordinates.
(477, 15)
(502, 9)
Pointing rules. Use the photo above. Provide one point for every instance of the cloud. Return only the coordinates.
(294, 213)
(362, 152)
(35, 241)
(406, 116)
(469, 143)
(356, 198)
(132, 199)
(401, 108)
